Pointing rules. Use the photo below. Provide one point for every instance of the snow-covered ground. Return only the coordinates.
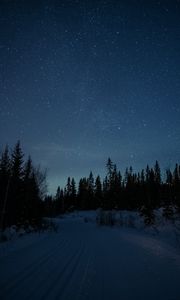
(86, 261)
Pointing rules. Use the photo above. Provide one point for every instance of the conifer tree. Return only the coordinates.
(157, 173)
(58, 201)
(147, 174)
(27, 189)
(83, 193)
(5, 177)
(110, 167)
(98, 192)
(169, 177)
(176, 186)
(58, 193)
(142, 177)
(90, 195)
(16, 192)
(73, 193)
(17, 162)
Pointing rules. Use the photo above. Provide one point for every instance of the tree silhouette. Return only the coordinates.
(98, 195)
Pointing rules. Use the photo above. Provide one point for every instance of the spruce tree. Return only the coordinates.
(17, 162)
(5, 177)
(90, 185)
(73, 193)
(98, 193)
(157, 173)
(16, 188)
(83, 194)
(27, 190)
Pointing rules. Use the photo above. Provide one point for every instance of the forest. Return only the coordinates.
(24, 199)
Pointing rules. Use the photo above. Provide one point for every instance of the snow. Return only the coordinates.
(85, 261)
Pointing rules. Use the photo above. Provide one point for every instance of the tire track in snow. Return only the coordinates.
(69, 276)
(34, 260)
(47, 279)
(85, 283)
(71, 265)
(11, 288)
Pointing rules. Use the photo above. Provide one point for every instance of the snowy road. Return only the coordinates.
(84, 261)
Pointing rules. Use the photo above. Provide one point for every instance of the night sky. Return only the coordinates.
(84, 80)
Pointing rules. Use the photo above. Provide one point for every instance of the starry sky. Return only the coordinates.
(84, 80)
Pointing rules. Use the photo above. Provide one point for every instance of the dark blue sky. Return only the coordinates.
(84, 80)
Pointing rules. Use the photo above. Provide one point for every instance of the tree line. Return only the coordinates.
(24, 199)
(144, 191)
